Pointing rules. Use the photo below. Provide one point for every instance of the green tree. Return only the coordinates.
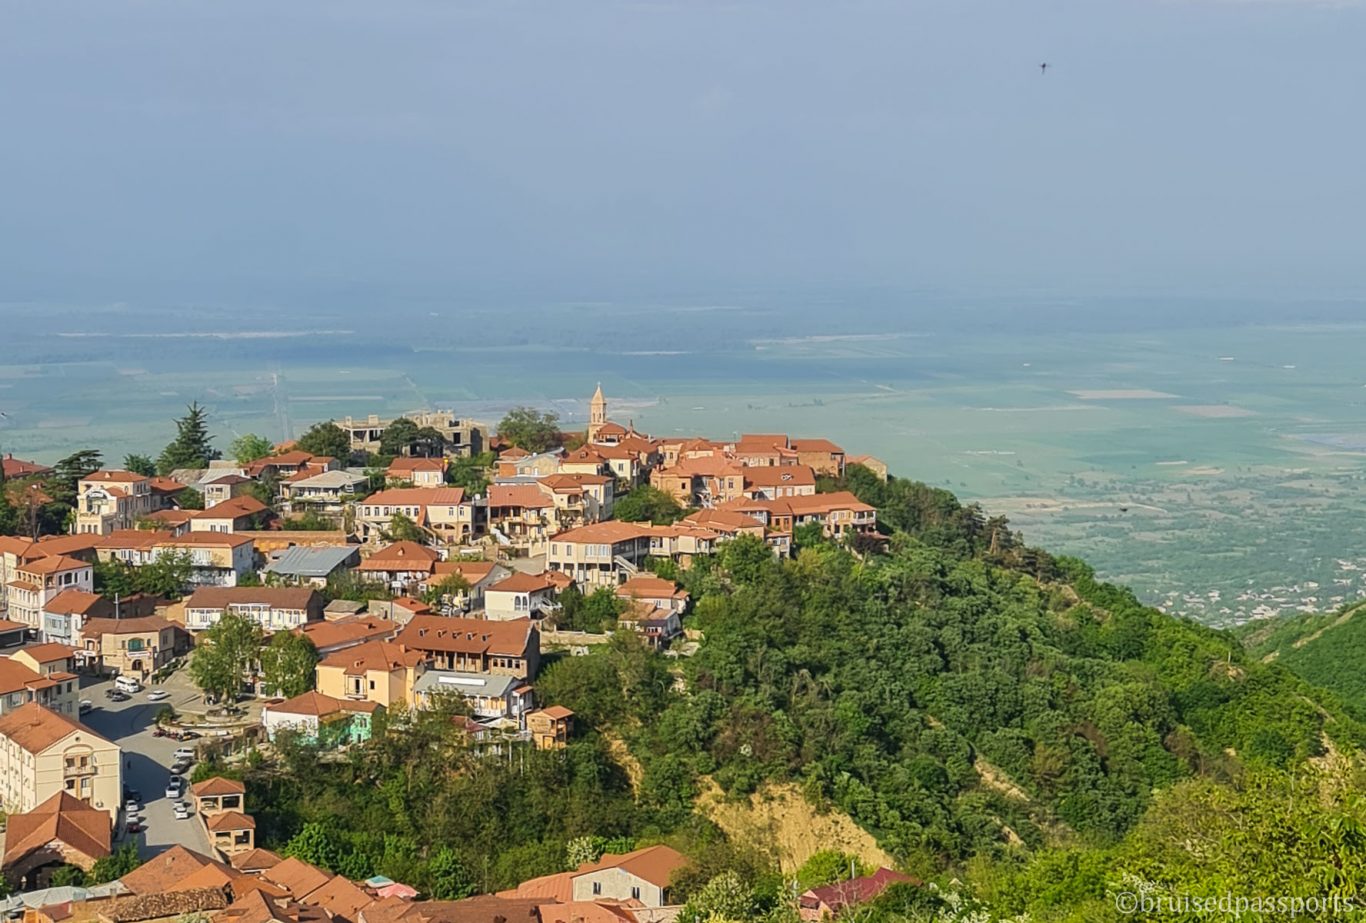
(325, 439)
(452, 585)
(223, 656)
(403, 529)
(829, 865)
(190, 499)
(596, 612)
(250, 447)
(115, 865)
(472, 472)
(140, 464)
(266, 488)
(65, 876)
(398, 437)
(531, 429)
(287, 664)
(428, 443)
(316, 845)
(167, 576)
(647, 504)
(446, 877)
(66, 473)
(192, 447)
(726, 897)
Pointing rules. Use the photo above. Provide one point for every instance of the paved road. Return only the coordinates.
(146, 762)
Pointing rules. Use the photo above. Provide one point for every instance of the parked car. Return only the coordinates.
(116, 695)
(183, 810)
(127, 684)
(135, 827)
(180, 767)
(132, 806)
(86, 706)
(131, 794)
(185, 753)
(187, 735)
(173, 787)
(156, 695)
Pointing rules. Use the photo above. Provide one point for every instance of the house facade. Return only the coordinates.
(43, 753)
(521, 596)
(464, 645)
(272, 608)
(444, 513)
(109, 500)
(642, 875)
(382, 672)
(25, 683)
(321, 719)
(216, 559)
(136, 647)
(39, 581)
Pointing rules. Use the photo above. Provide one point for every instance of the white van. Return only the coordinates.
(127, 684)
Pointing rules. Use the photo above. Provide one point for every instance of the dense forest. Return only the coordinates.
(1023, 736)
(1321, 648)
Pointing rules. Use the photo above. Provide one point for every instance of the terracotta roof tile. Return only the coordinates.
(64, 818)
(35, 728)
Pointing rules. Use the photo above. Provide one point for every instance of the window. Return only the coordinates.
(597, 887)
(635, 894)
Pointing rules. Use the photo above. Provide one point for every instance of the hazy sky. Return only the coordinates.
(197, 148)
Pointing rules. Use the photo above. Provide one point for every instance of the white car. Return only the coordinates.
(131, 806)
(185, 753)
(156, 695)
(86, 705)
(182, 810)
(173, 787)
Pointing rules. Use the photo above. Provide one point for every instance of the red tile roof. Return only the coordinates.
(35, 728)
(468, 636)
(858, 890)
(61, 818)
(522, 583)
(417, 496)
(402, 556)
(78, 602)
(525, 496)
(655, 864)
(235, 508)
(53, 564)
(385, 656)
(218, 785)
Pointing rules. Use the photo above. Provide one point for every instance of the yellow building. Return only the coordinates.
(377, 671)
(43, 753)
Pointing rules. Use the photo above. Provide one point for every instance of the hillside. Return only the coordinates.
(1316, 647)
(983, 712)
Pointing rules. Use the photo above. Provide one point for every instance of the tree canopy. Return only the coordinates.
(531, 429)
(223, 655)
(647, 504)
(250, 447)
(192, 447)
(287, 664)
(325, 439)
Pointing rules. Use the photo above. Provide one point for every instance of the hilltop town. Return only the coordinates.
(168, 623)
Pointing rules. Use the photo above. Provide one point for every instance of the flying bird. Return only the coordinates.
(1043, 68)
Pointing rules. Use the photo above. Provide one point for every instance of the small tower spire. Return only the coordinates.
(597, 413)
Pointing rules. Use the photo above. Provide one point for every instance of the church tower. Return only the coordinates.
(597, 413)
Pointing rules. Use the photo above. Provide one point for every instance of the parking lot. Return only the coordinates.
(146, 762)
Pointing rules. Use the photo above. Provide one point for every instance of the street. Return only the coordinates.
(146, 762)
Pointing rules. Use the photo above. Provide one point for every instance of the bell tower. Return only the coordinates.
(597, 413)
